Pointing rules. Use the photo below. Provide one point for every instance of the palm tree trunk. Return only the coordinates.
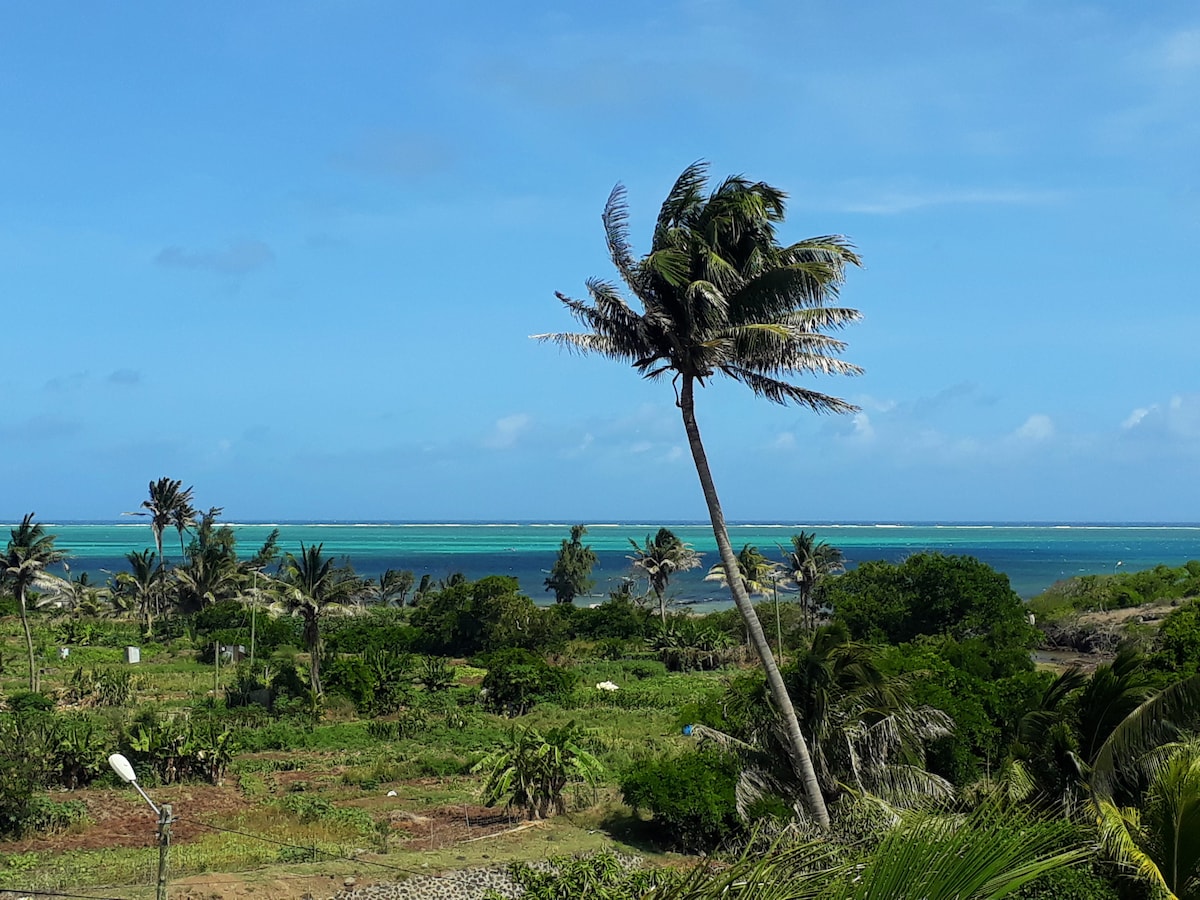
(33, 681)
(800, 757)
(312, 637)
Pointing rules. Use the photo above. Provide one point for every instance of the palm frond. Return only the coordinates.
(1158, 720)
(685, 195)
(616, 231)
(783, 393)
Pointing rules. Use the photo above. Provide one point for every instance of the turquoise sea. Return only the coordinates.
(1033, 556)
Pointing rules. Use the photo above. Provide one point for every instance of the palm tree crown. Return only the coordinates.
(719, 294)
(660, 558)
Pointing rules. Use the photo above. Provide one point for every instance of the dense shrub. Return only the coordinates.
(490, 614)
(350, 677)
(380, 629)
(1178, 644)
(929, 594)
(516, 680)
(617, 618)
(692, 798)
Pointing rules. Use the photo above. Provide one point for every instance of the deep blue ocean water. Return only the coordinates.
(1033, 556)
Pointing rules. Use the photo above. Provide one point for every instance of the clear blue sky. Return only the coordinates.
(291, 253)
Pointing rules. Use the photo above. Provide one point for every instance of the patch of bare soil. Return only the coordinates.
(1091, 639)
(445, 826)
(122, 818)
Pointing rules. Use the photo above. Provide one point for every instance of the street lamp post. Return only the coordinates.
(125, 772)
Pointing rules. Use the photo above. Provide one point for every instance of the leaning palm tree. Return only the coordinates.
(808, 563)
(311, 586)
(28, 553)
(721, 296)
(660, 558)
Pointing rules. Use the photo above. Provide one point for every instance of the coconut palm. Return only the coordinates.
(210, 572)
(808, 562)
(1160, 842)
(721, 296)
(143, 585)
(30, 549)
(753, 568)
(391, 588)
(311, 586)
(169, 504)
(660, 558)
(866, 734)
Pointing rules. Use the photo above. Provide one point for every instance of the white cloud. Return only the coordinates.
(506, 431)
(863, 430)
(1176, 422)
(783, 441)
(1036, 428)
(1181, 50)
(675, 453)
(1135, 417)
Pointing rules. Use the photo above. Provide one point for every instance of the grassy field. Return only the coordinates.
(309, 802)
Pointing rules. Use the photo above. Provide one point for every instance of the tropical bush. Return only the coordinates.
(534, 770)
(692, 798)
(928, 594)
(517, 679)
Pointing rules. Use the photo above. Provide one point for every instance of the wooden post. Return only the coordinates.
(164, 848)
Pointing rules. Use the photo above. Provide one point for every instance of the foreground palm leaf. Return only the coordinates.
(721, 296)
(1160, 842)
(985, 856)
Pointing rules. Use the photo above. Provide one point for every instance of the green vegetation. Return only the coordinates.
(913, 684)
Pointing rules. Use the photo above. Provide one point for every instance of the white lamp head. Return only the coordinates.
(124, 770)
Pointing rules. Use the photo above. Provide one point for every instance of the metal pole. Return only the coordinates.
(164, 849)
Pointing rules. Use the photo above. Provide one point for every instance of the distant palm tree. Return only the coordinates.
(660, 558)
(30, 549)
(210, 572)
(808, 563)
(391, 588)
(143, 584)
(312, 587)
(754, 569)
(170, 504)
(721, 296)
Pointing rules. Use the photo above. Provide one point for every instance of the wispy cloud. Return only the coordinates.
(507, 430)
(1038, 427)
(236, 258)
(1181, 50)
